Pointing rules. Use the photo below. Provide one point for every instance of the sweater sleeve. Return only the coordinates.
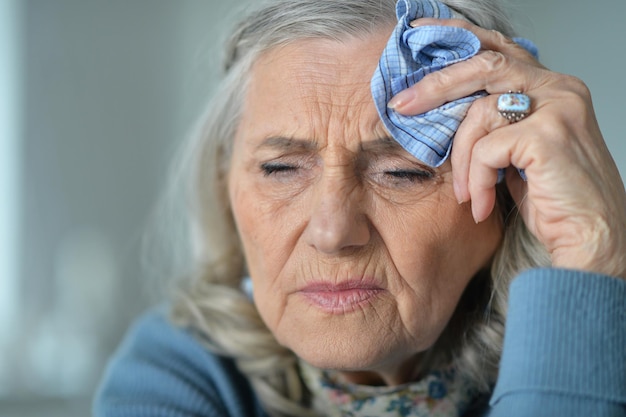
(564, 347)
(161, 370)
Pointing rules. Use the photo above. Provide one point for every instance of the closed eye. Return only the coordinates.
(273, 168)
(410, 175)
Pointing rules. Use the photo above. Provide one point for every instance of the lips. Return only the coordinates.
(340, 298)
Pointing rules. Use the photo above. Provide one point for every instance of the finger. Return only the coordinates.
(482, 183)
(482, 118)
(489, 71)
(497, 150)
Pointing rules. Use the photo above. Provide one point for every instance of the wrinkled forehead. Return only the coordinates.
(346, 65)
(315, 82)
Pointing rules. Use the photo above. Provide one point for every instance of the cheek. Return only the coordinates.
(268, 230)
(437, 248)
(472, 245)
(253, 223)
(253, 227)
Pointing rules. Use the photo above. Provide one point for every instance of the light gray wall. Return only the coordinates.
(109, 88)
(585, 39)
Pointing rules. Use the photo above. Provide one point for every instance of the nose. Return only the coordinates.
(338, 220)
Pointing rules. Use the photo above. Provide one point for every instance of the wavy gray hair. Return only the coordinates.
(211, 301)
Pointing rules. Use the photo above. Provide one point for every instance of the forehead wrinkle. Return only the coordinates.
(334, 93)
(326, 101)
(332, 122)
(347, 110)
(328, 81)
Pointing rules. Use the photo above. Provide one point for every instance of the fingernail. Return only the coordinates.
(424, 21)
(474, 215)
(400, 99)
(457, 192)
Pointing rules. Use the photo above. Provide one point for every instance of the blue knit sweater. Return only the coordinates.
(564, 355)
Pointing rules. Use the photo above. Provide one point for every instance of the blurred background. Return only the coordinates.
(95, 96)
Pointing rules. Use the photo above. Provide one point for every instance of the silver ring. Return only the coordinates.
(514, 106)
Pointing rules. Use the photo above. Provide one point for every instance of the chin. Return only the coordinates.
(351, 354)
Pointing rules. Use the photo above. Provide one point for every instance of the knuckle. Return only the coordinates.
(439, 79)
(577, 86)
(492, 61)
(481, 112)
(478, 151)
(483, 105)
(503, 39)
(577, 106)
(575, 99)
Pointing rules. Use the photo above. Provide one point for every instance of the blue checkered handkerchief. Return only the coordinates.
(410, 54)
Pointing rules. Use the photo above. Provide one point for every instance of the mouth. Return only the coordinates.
(340, 298)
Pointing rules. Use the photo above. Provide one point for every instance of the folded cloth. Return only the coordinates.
(411, 54)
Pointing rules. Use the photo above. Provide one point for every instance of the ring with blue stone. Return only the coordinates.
(514, 106)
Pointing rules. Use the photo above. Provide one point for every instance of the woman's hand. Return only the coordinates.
(573, 200)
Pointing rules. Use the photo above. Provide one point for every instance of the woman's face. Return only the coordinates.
(358, 252)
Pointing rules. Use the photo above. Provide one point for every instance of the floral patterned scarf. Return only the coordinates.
(440, 394)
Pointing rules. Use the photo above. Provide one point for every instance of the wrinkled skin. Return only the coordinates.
(321, 197)
(321, 194)
(574, 200)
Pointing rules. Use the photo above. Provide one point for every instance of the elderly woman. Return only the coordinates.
(384, 263)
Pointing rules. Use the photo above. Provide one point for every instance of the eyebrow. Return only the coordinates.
(288, 143)
(383, 144)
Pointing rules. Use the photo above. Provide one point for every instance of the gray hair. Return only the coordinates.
(211, 301)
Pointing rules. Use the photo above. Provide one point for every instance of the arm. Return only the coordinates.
(162, 371)
(565, 346)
